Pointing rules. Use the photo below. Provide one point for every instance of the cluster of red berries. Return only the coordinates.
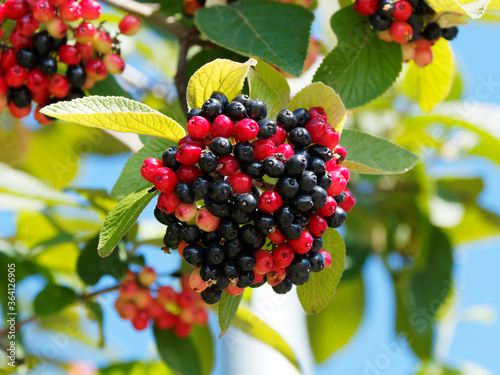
(408, 22)
(167, 308)
(264, 202)
(41, 63)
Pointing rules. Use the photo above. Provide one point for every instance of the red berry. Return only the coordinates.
(15, 76)
(19, 41)
(56, 28)
(40, 117)
(263, 148)
(338, 184)
(330, 138)
(43, 11)
(89, 83)
(366, 7)
(186, 299)
(229, 165)
(200, 316)
(206, 221)
(402, 10)
(186, 211)
(188, 173)
(180, 248)
(264, 261)
(58, 86)
(303, 244)
(188, 154)
(181, 329)
(8, 59)
(85, 32)
(246, 130)
(198, 127)
(36, 80)
(86, 50)
(283, 255)
(15, 9)
(166, 321)
(401, 32)
(270, 201)
(192, 141)
(96, 69)
(329, 208)
(240, 182)
(41, 97)
(234, 290)
(114, 63)
(316, 127)
(331, 164)
(140, 322)
(91, 9)
(327, 257)
(280, 136)
(221, 127)
(149, 168)
(168, 202)
(102, 42)
(70, 11)
(155, 310)
(165, 180)
(423, 56)
(166, 295)
(258, 277)
(286, 150)
(19, 112)
(127, 310)
(276, 237)
(3, 86)
(423, 43)
(349, 201)
(129, 25)
(340, 154)
(196, 282)
(276, 278)
(318, 112)
(27, 25)
(343, 171)
(69, 55)
(317, 225)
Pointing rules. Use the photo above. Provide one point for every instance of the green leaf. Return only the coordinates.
(120, 219)
(333, 327)
(362, 66)
(136, 368)
(52, 299)
(372, 155)
(228, 306)
(187, 356)
(131, 180)
(320, 289)
(473, 8)
(431, 84)
(219, 75)
(319, 95)
(108, 87)
(90, 267)
(269, 86)
(477, 223)
(95, 313)
(253, 28)
(253, 326)
(118, 114)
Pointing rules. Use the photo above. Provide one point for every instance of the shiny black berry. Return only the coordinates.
(220, 191)
(228, 229)
(256, 109)
(27, 57)
(221, 146)
(215, 253)
(239, 216)
(273, 167)
(381, 20)
(211, 109)
(246, 202)
(287, 187)
(265, 223)
(337, 219)
(76, 75)
(209, 272)
(302, 219)
(267, 128)
(194, 254)
(230, 270)
(243, 152)
(432, 32)
(185, 193)
(246, 279)
(317, 244)
(307, 181)
(236, 111)
(163, 217)
(298, 279)
(233, 248)
(284, 287)
(249, 234)
(301, 202)
(194, 112)
(43, 42)
(450, 33)
(200, 187)
(209, 237)
(300, 265)
(325, 180)
(317, 261)
(292, 232)
(253, 169)
(211, 295)
(220, 97)
(287, 119)
(318, 196)
(295, 165)
(208, 162)
(169, 159)
(284, 217)
(246, 261)
(21, 96)
(340, 198)
(190, 234)
(216, 208)
(321, 151)
(243, 99)
(302, 116)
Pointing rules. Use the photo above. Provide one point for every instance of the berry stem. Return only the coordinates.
(267, 186)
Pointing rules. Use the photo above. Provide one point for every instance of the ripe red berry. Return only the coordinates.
(343, 171)
(221, 127)
(402, 10)
(349, 201)
(198, 127)
(286, 149)
(41, 97)
(19, 41)
(91, 9)
(58, 86)
(196, 282)
(56, 28)
(27, 25)
(19, 112)
(263, 148)
(114, 63)
(270, 201)
(167, 202)
(330, 138)
(338, 184)
(188, 154)
(423, 43)
(340, 154)
(149, 168)
(228, 165)
(246, 130)
(317, 225)
(316, 127)
(276, 278)
(86, 50)
(140, 322)
(200, 316)
(8, 59)
(283, 255)
(15, 76)
(15, 9)
(102, 42)
(181, 329)
(43, 11)
(329, 208)
(129, 25)
(318, 112)
(366, 7)
(280, 136)
(36, 80)
(234, 290)
(180, 248)
(423, 56)
(192, 141)
(166, 321)
(276, 237)
(40, 117)
(188, 173)
(331, 164)
(401, 32)
(186, 299)
(240, 182)
(155, 310)
(327, 257)
(96, 69)
(166, 295)
(164, 179)
(69, 55)
(206, 221)
(186, 211)
(85, 32)
(264, 261)
(303, 244)
(70, 11)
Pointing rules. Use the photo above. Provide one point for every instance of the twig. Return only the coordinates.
(85, 297)
(180, 76)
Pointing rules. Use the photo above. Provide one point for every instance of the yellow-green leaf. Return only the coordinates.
(219, 75)
(473, 8)
(431, 85)
(118, 114)
(319, 95)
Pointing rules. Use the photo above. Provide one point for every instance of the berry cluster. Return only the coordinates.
(408, 22)
(167, 308)
(43, 63)
(264, 203)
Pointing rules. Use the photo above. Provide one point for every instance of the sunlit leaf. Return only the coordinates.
(52, 299)
(228, 305)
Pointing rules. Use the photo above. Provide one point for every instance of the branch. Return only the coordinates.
(180, 76)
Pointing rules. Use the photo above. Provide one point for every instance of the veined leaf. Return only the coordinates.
(473, 8)
(268, 85)
(52, 299)
(228, 305)
(118, 114)
(219, 75)
(372, 155)
(120, 219)
(254, 28)
(319, 95)
(320, 289)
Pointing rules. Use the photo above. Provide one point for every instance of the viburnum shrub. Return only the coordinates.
(142, 301)
(54, 52)
(260, 194)
(410, 23)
